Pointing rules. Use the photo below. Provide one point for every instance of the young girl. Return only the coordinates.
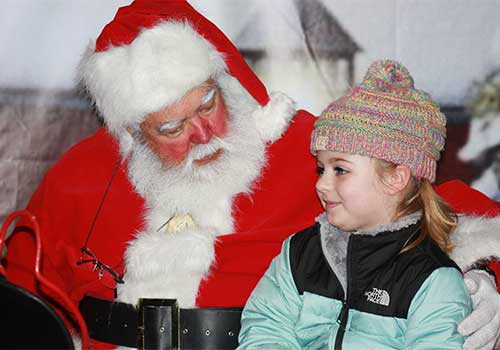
(373, 272)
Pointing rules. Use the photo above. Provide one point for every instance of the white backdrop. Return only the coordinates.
(446, 44)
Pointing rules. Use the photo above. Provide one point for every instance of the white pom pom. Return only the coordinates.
(273, 119)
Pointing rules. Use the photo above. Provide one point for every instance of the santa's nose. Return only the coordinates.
(201, 131)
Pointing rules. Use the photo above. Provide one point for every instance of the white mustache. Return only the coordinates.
(201, 151)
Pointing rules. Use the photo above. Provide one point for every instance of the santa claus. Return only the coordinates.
(190, 189)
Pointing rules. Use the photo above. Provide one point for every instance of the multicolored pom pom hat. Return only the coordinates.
(385, 117)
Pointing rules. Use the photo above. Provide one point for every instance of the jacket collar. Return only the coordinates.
(376, 246)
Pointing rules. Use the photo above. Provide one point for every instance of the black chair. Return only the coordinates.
(28, 322)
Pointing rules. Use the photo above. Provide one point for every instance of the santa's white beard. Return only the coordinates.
(191, 189)
(171, 265)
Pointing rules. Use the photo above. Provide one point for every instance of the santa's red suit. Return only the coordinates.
(129, 74)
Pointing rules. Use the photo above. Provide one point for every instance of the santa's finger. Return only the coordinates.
(480, 317)
(484, 338)
(488, 346)
(471, 284)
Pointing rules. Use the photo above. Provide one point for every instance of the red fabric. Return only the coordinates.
(129, 20)
(495, 266)
(65, 204)
(469, 201)
(283, 203)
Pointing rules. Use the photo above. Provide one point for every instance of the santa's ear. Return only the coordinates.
(127, 136)
(397, 179)
(135, 133)
(131, 130)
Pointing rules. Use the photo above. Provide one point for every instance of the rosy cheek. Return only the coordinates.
(174, 150)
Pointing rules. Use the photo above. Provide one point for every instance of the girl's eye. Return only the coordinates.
(320, 170)
(339, 171)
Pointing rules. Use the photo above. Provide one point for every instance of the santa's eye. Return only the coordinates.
(320, 170)
(207, 102)
(172, 129)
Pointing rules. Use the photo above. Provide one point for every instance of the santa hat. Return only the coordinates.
(153, 52)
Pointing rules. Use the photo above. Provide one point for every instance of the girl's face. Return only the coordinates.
(351, 192)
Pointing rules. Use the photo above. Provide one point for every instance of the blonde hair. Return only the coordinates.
(438, 219)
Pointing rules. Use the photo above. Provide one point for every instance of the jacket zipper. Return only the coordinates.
(344, 312)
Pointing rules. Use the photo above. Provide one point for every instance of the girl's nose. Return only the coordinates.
(323, 184)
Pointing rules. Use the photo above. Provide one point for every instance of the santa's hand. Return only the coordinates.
(483, 324)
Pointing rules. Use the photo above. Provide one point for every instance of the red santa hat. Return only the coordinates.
(153, 52)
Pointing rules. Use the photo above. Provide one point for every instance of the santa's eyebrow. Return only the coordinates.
(171, 125)
(174, 124)
(208, 96)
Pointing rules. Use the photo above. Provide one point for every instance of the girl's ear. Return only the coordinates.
(398, 179)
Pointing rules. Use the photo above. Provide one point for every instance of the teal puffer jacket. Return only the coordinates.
(387, 300)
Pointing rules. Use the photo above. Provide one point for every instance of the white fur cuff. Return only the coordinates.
(475, 238)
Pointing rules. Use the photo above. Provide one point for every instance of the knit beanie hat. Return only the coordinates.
(385, 117)
(154, 51)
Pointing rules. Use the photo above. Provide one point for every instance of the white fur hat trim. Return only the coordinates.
(156, 69)
(475, 238)
(272, 120)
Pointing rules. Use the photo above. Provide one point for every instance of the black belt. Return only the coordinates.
(161, 324)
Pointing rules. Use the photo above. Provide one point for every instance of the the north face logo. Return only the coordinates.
(378, 296)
